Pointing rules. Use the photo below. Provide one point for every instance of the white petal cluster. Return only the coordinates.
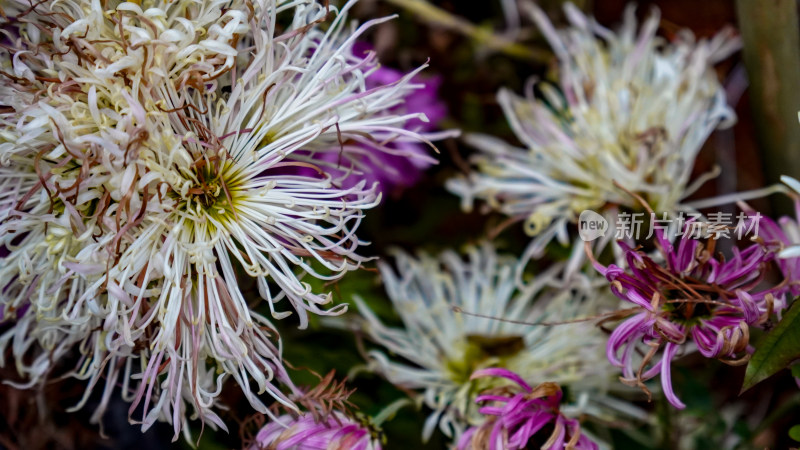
(442, 342)
(148, 180)
(629, 107)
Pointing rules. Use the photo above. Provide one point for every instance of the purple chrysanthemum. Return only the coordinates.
(327, 422)
(397, 164)
(692, 296)
(335, 432)
(412, 158)
(521, 419)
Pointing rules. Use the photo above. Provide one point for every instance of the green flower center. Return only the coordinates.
(483, 351)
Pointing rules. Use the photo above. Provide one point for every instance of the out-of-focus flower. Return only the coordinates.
(520, 417)
(399, 164)
(629, 108)
(691, 296)
(141, 150)
(396, 168)
(442, 344)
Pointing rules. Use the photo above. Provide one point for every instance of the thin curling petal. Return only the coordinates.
(666, 376)
(695, 295)
(515, 420)
(499, 372)
(629, 109)
(444, 350)
(393, 165)
(337, 432)
(143, 183)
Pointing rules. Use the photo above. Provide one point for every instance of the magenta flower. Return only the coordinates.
(693, 296)
(399, 163)
(334, 432)
(327, 422)
(517, 420)
(404, 164)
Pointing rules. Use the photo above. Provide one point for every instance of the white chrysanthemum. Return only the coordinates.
(440, 347)
(148, 167)
(629, 107)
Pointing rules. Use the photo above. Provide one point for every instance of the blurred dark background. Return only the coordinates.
(426, 216)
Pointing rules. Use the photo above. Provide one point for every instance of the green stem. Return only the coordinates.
(665, 412)
(438, 17)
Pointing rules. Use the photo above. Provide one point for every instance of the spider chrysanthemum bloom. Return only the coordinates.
(629, 107)
(688, 295)
(327, 422)
(521, 417)
(335, 432)
(441, 344)
(143, 156)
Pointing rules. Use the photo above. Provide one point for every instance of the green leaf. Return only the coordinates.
(776, 350)
(796, 370)
(794, 433)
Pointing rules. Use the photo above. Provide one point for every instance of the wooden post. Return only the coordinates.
(771, 51)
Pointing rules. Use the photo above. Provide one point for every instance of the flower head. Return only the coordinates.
(442, 344)
(336, 432)
(520, 417)
(688, 295)
(628, 108)
(327, 422)
(141, 156)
